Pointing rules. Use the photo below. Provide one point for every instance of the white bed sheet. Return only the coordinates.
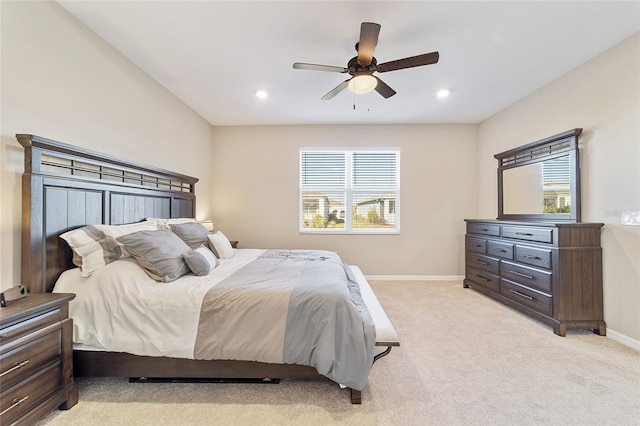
(119, 308)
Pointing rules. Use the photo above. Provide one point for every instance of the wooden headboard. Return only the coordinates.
(65, 187)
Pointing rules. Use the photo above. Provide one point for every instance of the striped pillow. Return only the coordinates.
(95, 245)
(200, 261)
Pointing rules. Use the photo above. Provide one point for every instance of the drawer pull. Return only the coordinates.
(484, 229)
(15, 403)
(500, 250)
(526, 296)
(477, 245)
(480, 262)
(527, 234)
(15, 366)
(528, 256)
(482, 278)
(520, 274)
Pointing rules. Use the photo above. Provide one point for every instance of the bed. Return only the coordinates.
(66, 188)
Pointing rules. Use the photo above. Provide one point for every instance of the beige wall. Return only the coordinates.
(61, 81)
(603, 97)
(255, 182)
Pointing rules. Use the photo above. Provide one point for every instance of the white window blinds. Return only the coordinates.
(349, 191)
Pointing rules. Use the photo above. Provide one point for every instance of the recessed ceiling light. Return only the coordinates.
(443, 93)
(261, 94)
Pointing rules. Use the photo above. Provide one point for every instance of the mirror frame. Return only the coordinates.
(538, 151)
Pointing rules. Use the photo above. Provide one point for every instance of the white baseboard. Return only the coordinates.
(414, 277)
(625, 340)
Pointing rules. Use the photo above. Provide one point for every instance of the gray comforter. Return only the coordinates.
(293, 307)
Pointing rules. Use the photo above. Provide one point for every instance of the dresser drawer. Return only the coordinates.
(483, 279)
(19, 328)
(537, 301)
(484, 229)
(20, 399)
(533, 256)
(499, 249)
(485, 263)
(476, 245)
(19, 360)
(541, 235)
(530, 277)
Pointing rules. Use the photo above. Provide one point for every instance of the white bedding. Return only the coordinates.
(120, 308)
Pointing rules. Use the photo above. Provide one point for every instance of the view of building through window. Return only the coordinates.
(349, 190)
(556, 185)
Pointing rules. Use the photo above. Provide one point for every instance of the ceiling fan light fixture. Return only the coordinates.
(363, 83)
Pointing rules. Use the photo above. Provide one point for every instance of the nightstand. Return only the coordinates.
(36, 358)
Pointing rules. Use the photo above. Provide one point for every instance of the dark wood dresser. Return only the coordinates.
(550, 271)
(36, 370)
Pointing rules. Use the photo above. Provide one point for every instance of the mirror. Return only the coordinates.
(540, 181)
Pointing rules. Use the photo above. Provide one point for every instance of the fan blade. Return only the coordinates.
(368, 41)
(383, 89)
(413, 61)
(339, 88)
(315, 67)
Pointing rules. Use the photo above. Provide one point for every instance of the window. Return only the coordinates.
(556, 185)
(349, 191)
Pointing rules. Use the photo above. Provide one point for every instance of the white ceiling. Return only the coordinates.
(214, 55)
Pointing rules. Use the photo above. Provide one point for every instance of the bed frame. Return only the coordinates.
(65, 187)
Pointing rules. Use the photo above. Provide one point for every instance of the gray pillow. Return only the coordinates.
(158, 252)
(192, 233)
(200, 261)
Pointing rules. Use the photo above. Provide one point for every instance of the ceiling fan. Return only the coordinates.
(362, 67)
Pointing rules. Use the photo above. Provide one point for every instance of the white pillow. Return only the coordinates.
(166, 223)
(95, 245)
(220, 245)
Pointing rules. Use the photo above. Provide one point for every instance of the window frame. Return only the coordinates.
(349, 192)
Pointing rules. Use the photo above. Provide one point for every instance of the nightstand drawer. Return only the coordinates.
(14, 330)
(20, 399)
(36, 358)
(20, 359)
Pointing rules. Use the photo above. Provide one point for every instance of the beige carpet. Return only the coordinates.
(464, 360)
